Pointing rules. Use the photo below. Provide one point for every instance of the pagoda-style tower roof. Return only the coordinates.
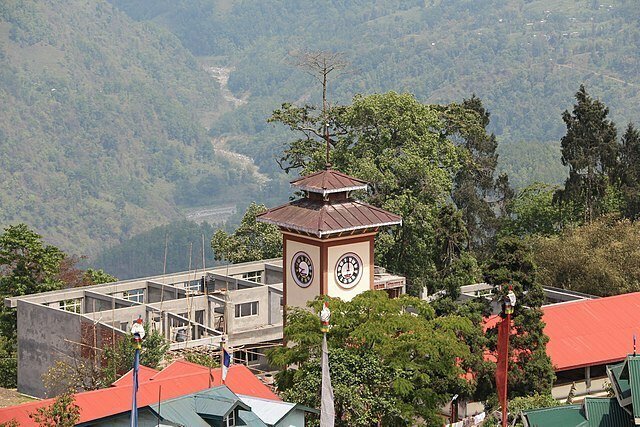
(327, 210)
(328, 181)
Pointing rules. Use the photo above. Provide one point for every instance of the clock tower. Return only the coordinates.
(328, 238)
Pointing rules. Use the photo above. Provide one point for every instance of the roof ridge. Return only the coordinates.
(602, 300)
(325, 174)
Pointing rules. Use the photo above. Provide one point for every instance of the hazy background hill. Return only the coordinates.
(524, 59)
(100, 134)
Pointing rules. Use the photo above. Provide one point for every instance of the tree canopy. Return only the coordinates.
(63, 412)
(407, 151)
(628, 171)
(251, 241)
(600, 258)
(513, 265)
(411, 360)
(590, 150)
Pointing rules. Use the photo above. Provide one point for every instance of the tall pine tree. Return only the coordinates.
(531, 370)
(477, 192)
(589, 149)
(628, 172)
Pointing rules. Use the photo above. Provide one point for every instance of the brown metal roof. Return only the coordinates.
(329, 181)
(322, 219)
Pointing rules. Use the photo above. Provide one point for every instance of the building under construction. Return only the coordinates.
(242, 303)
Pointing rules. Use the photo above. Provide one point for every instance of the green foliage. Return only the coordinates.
(8, 363)
(400, 147)
(590, 150)
(251, 241)
(628, 174)
(475, 183)
(27, 266)
(202, 359)
(362, 388)
(96, 277)
(530, 369)
(599, 258)
(10, 423)
(144, 254)
(536, 401)
(528, 162)
(414, 359)
(119, 358)
(532, 212)
(63, 412)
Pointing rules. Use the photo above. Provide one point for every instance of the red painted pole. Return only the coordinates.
(502, 369)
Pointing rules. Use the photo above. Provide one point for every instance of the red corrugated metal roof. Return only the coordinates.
(117, 399)
(321, 219)
(144, 374)
(591, 332)
(180, 368)
(329, 181)
(588, 332)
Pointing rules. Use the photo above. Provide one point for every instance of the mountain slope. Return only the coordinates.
(99, 132)
(524, 58)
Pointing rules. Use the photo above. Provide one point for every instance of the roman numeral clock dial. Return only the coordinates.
(302, 269)
(348, 270)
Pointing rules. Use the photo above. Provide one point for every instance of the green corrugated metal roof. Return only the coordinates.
(216, 402)
(621, 384)
(633, 367)
(181, 411)
(190, 410)
(248, 418)
(606, 412)
(567, 416)
(594, 412)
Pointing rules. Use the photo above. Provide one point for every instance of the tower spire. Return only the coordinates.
(324, 114)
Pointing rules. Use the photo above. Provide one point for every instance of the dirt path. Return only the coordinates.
(9, 397)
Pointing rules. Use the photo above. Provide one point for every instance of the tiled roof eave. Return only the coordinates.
(324, 233)
(360, 227)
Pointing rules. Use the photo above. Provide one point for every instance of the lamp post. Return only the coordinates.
(502, 370)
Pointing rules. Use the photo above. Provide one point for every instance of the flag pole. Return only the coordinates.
(134, 399)
(327, 409)
(137, 330)
(222, 376)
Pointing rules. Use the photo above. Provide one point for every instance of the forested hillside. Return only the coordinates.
(524, 59)
(99, 125)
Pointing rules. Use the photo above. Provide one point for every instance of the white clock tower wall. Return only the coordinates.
(297, 296)
(363, 251)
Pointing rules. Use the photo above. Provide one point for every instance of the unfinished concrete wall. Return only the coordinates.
(275, 306)
(272, 274)
(259, 295)
(45, 335)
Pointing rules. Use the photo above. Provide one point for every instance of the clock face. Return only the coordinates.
(348, 270)
(302, 269)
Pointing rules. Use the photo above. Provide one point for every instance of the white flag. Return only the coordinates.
(327, 411)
